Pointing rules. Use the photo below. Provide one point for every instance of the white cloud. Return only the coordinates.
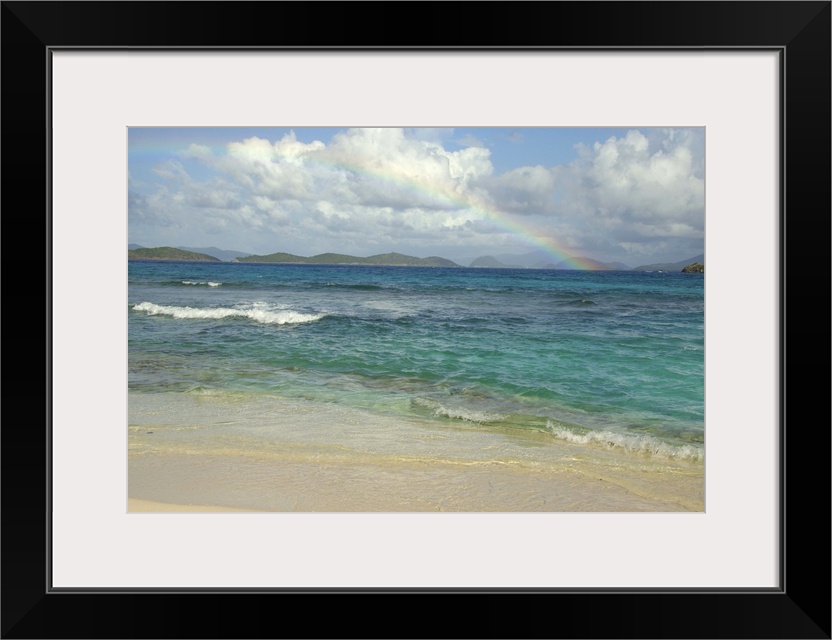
(525, 190)
(170, 170)
(619, 194)
(470, 140)
(649, 193)
(198, 151)
(388, 158)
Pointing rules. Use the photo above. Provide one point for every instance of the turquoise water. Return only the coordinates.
(613, 358)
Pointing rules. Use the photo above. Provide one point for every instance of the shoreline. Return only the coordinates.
(271, 454)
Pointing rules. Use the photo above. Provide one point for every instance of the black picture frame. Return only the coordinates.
(798, 608)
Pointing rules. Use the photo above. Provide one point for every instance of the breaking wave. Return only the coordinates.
(636, 444)
(258, 314)
(209, 284)
(457, 413)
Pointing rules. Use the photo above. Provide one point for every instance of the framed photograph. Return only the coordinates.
(717, 108)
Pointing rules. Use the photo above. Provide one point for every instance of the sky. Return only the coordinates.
(629, 195)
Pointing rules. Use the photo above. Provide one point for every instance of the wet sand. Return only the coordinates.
(231, 483)
(273, 455)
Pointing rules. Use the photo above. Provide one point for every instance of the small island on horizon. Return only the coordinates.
(168, 253)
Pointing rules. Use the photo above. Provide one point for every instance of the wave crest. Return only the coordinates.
(637, 444)
(457, 413)
(261, 315)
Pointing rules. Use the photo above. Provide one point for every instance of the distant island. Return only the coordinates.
(696, 267)
(381, 260)
(222, 254)
(672, 266)
(489, 262)
(168, 253)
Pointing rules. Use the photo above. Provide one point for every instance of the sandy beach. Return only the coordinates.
(276, 455)
(187, 483)
(134, 505)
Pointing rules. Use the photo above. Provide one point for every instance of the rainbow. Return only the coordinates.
(526, 232)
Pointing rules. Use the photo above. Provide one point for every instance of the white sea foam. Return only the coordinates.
(258, 314)
(639, 444)
(457, 413)
(209, 284)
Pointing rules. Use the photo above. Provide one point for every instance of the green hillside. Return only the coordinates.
(274, 257)
(168, 253)
(696, 267)
(399, 259)
(384, 259)
(335, 258)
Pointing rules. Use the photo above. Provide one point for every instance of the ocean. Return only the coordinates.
(391, 369)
